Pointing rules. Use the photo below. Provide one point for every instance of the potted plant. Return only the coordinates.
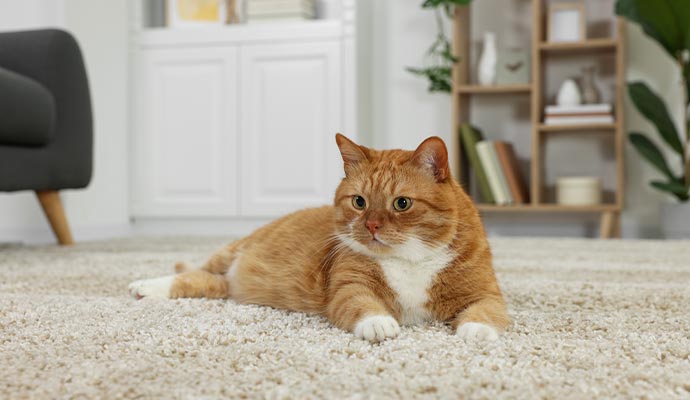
(668, 23)
(440, 56)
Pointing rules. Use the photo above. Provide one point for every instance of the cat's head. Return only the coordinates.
(396, 203)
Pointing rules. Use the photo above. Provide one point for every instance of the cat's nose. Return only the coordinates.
(373, 226)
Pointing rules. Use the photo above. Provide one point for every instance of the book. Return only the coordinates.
(511, 169)
(591, 114)
(502, 180)
(584, 120)
(489, 160)
(581, 109)
(469, 136)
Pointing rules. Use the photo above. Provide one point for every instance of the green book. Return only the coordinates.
(470, 136)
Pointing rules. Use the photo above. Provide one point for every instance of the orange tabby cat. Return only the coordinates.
(402, 244)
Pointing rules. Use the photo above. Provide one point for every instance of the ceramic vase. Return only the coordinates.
(569, 94)
(487, 62)
(590, 93)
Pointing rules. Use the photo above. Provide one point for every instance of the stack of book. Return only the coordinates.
(495, 167)
(283, 10)
(578, 115)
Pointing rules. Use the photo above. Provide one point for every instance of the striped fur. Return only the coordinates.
(431, 261)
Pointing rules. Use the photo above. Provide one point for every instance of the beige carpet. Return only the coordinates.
(592, 319)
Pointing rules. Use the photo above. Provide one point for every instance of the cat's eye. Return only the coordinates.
(402, 204)
(358, 202)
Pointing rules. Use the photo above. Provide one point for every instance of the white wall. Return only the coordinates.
(30, 14)
(394, 107)
(101, 28)
(647, 62)
(404, 113)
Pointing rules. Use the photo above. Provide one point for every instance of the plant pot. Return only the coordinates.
(675, 218)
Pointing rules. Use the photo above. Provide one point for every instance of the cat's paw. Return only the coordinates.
(475, 331)
(158, 288)
(377, 328)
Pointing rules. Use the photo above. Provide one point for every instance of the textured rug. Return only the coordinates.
(592, 319)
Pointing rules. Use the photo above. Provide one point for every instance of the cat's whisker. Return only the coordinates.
(324, 261)
(337, 246)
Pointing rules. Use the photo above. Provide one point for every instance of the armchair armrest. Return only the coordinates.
(27, 109)
(52, 58)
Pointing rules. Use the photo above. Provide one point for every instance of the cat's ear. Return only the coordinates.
(432, 156)
(351, 152)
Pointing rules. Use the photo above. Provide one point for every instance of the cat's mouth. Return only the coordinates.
(371, 245)
(377, 242)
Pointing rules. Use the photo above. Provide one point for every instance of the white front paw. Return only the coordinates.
(477, 331)
(377, 328)
(158, 288)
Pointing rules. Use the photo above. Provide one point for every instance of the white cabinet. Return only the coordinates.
(186, 133)
(291, 103)
(238, 122)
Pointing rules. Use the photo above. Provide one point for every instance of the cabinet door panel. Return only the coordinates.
(291, 109)
(186, 149)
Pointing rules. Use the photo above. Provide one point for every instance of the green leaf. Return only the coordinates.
(439, 77)
(447, 53)
(438, 3)
(654, 109)
(686, 75)
(439, 74)
(666, 21)
(651, 152)
(679, 190)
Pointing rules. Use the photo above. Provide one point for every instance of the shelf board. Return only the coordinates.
(582, 127)
(496, 89)
(547, 208)
(583, 45)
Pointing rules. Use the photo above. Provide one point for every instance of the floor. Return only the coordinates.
(591, 319)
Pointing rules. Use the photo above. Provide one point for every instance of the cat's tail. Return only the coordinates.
(218, 264)
(182, 266)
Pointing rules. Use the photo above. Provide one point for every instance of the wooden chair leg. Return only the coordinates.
(52, 207)
(609, 225)
(617, 226)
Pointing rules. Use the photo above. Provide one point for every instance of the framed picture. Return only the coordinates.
(567, 22)
(191, 13)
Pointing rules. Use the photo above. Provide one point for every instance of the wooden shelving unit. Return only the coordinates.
(597, 128)
(541, 51)
(583, 46)
(478, 89)
(548, 208)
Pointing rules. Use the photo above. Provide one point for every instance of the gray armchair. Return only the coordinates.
(46, 128)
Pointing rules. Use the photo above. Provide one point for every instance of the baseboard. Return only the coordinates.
(563, 225)
(197, 226)
(43, 235)
(515, 226)
(140, 227)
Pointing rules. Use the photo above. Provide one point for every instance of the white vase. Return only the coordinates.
(675, 220)
(487, 62)
(569, 94)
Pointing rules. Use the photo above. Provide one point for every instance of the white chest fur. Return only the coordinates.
(409, 273)
(411, 280)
